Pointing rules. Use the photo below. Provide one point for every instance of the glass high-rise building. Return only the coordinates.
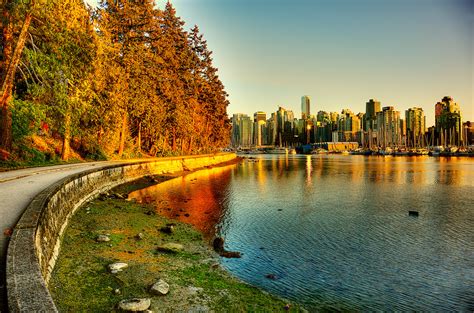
(305, 107)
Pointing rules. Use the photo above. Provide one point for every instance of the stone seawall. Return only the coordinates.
(35, 242)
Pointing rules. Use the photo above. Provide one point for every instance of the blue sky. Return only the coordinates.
(404, 53)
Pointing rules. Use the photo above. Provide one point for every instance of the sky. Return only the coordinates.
(404, 53)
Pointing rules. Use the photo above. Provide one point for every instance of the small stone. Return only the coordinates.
(168, 229)
(117, 291)
(140, 236)
(287, 307)
(102, 238)
(117, 267)
(271, 276)
(160, 288)
(134, 305)
(171, 247)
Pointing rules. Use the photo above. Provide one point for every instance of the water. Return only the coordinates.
(335, 229)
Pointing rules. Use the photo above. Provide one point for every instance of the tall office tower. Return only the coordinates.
(415, 126)
(371, 109)
(259, 122)
(305, 107)
(242, 131)
(448, 122)
(388, 127)
(246, 130)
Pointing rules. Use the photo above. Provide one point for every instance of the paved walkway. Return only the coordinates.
(18, 188)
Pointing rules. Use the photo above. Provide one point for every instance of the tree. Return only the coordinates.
(59, 58)
(16, 18)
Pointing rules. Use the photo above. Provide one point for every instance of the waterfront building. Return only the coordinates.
(448, 122)
(415, 127)
(242, 130)
(372, 107)
(260, 121)
(305, 107)
(388, 127)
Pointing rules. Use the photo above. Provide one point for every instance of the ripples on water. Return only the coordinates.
(335, 230)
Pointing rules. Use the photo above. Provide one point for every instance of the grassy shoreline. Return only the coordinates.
(81, 281)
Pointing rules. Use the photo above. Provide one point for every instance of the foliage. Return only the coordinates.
(27, 118)
(125, 78)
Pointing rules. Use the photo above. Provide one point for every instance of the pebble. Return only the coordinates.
(140, 236)
(102, 238)
(160, 288)
(134, 305)
(117, 267)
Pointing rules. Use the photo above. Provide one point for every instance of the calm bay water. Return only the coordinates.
(335, 229)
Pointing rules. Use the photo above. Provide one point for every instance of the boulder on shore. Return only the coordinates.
(160, 288)
(102, 238)
(117, 267)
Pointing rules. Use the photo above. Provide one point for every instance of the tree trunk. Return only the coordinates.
(66, 150)
(11, 62)
(123, 134)
(139, 136)
(173, 143)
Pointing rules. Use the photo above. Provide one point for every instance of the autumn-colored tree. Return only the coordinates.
(15, 22)
(123, 76)
(58, 60)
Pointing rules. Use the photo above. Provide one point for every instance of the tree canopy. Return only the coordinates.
(125, 78)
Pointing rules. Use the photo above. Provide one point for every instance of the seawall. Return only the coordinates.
(35, 242)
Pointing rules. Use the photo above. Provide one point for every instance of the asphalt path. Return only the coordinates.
(18, 188)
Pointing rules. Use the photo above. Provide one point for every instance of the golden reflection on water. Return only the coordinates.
(192, 199)
(197, 197)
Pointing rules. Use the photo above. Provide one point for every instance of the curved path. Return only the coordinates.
(18, 188)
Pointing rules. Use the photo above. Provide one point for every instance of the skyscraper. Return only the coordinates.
(448, 122)
(415, 126)
(260, 120)
(371, 109)
(305, 107)
(388, 127)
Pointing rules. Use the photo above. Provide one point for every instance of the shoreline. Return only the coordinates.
(196, 279)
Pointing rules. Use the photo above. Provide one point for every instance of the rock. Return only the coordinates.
(287, 307)
(168, 229)
(117, 267)
(230, 254)
(194, 290)
(271, 276)
(171, 247)
(102, 238)
(134, 305)
(117, 291)
(160, 288)
(150, 212)
(218, 244)
(139, 236)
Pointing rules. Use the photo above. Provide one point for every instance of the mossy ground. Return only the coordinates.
(82, 283)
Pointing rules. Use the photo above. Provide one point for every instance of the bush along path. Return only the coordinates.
(119, 255)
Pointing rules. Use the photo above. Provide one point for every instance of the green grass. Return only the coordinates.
(81, 282)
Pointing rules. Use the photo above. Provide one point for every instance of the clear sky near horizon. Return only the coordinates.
(341, 53)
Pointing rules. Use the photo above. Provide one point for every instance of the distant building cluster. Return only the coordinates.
(377, 127)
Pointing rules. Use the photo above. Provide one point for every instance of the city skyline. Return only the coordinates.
(341, 53)
(314, 111)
